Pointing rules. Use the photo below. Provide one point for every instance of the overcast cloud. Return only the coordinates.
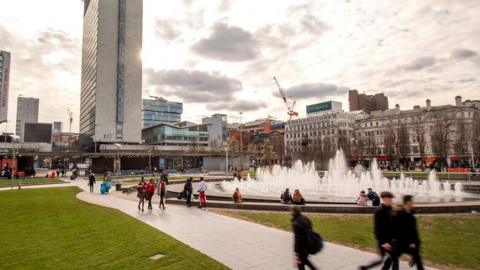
(221, 56)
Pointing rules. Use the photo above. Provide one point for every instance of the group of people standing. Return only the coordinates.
(146, 191)
(188, 192)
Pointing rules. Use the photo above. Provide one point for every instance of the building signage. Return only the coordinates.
(323, 106)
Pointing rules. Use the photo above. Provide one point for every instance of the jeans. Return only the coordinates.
(203, 199)
(188, 194)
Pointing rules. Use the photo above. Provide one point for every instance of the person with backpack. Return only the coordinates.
(162, 190)
(91, 181)
(141, 193)
(306, 241)
(150, 192)
(202, 187)
(406, 232)
(383, 228)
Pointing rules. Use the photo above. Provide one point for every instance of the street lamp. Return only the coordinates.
(14, 137)
(118, 158)
(226, 161)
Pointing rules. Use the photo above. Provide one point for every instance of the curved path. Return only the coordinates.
(236, 243)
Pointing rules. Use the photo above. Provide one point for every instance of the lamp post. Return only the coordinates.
(14, 137)
(241, 133)
(118, 158)
(226, 160)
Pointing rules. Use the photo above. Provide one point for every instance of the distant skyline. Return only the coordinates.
(220, 56)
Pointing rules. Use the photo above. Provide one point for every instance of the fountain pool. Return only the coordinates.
(340, 184)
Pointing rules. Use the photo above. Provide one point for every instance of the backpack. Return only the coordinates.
(314, 242)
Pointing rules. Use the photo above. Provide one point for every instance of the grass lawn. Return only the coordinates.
(451, 242)
(28, 181)
(52, 229)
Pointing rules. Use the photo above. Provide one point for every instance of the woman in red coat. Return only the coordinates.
(150, 192)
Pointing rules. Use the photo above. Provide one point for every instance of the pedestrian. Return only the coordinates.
(237, 196)
(162, 190)
(383, 228)
(202, 187)
(164, 176)
(301, 226)
(150, 192)
(362, 199)
(91, 181)
(373, 197)
(297, 198)
(406, 232)
(286, 197)
(188, 189)
(141, 193)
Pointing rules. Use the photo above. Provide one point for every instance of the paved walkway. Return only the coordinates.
(236, 243)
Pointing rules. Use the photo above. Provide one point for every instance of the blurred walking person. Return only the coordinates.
(162, 190)
(141, 193)
(406, 232)
(150, 192)
(91, 181)
(202, 187)
(383, 227)
(302, 227)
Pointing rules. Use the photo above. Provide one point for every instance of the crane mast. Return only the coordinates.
(290, 108)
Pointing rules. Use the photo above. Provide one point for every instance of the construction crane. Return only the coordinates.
(70, 120)
(290, 108)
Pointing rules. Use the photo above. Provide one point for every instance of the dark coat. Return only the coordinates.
(188, 188)
(383, 223)
(405, 229)
(91, 180)
(301, 224)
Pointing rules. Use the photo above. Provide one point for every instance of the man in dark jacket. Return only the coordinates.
(286, 197)
(383, 224)
(406, 232)
(373, 197)
(91, 181)
(301, 225)
(188, 189)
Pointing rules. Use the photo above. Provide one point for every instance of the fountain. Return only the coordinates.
(339, 183)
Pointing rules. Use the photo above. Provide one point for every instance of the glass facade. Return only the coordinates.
(121, 67)
(165, 134)
(157, 111)
(89, 68)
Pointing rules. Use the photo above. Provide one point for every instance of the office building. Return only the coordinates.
(111, 80)
(323, 107)
(38, 133)
(57, 127)
(158, 110)
(179, 134)
(367, 103)
(27, 112)
(217, 128)
(4, 84)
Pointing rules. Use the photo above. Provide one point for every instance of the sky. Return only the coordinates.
(220, 56)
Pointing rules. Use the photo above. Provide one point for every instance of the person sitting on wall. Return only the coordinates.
(237, 196)
(362, 199)
(297, 198)
(373, 197)
(286, 197)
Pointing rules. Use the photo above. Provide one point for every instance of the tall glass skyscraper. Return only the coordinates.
(111, 86)
(158, 110)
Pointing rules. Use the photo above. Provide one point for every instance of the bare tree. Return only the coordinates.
(420, 131)
(268, 153)
(475, 135)
(345, 144)
(461, 140)
(440, 138)
(233, 146)
(403, 142)
(389, 142)
(215, 146)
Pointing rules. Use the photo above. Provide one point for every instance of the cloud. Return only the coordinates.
(238, 106)
(193, 86)
(167, 29)
(314, 90)
(228, 43)
(420, 63)
(461, 54)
